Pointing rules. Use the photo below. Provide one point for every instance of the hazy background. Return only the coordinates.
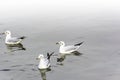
(59, 15)
(59, 12)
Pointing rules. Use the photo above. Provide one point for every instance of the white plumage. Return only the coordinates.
(12, 40)
(68, 49)
(44, 63)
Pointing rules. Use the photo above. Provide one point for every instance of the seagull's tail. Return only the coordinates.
(78, 44)
(23, 37)
(49, 55)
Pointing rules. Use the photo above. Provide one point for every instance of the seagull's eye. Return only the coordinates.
(61, 43)
(7, 33)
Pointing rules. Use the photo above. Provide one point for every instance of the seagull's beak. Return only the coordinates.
(57, 43)
(37, 58)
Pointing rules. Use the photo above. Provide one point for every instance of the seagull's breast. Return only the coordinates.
(44, 63)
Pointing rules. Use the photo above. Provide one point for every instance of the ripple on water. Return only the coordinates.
(5, 70)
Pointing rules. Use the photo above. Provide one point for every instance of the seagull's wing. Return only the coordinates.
(47, 62)
(49, 55)
(23, 37)
(14, 39)
(70, 48)
(78, 44)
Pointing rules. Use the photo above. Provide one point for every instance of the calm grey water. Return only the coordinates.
(44, 25)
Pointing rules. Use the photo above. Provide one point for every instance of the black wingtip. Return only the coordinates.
(49, 55)
(78, 44)
(23, 37)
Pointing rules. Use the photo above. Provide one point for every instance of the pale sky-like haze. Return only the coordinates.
(12, 8)
(57, 12)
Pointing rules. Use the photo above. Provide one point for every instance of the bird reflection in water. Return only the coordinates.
(63, 56)
(43, 73)
(76, 53)
(15, 47)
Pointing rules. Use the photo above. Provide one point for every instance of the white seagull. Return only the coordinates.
(12, 40)
(68, 49)
(44, 62)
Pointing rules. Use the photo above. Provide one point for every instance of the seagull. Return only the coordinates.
(44, 62)
(12, 40)
(68, 49)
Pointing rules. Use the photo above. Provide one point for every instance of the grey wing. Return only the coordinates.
(70, 48)
(13, 39)
(47, 62)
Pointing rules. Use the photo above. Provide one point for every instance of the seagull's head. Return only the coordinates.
(40, 56)
(7, 32)
(61, 43)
